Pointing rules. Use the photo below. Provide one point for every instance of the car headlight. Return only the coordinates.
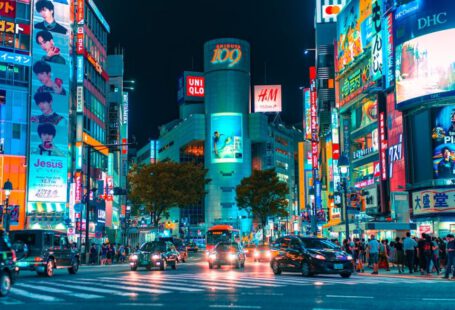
(232, 256)
(212, 256)
(133, 257)
(318, 256)
(268, 253)
(349, 257)
(256, 253)
(156, 256)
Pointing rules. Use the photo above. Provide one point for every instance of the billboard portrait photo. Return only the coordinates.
(443, 136)
(226, 138)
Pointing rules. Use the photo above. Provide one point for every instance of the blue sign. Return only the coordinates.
(78, 207)
(80, 69)
(318, 197)
(16, 59)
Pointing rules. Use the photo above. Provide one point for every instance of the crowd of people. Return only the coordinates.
(109, 253)
(427, 254)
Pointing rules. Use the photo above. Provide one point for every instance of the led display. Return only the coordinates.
(227, 138)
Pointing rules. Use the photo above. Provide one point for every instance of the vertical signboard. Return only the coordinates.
(388, 54)
(227, 138)
(383, 146)
(47, 181)
(377, 45)
(396, 160)
(307, 113)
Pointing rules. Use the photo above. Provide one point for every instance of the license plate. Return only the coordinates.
(338, 266)
(22, 264)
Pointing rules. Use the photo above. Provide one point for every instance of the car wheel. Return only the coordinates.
(49, 272)
(74, 267)
(174, 266)
(306, 271)
(345, 274)
(210, 266)
(275, 268)
(134, 268)
(5, 284)
(163, 265)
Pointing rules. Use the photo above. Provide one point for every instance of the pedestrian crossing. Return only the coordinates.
(131, 285)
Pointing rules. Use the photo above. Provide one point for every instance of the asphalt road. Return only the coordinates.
(194, 286)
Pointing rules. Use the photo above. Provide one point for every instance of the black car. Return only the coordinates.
(155, 254)
(310, 256)
(43, 251)
(8, 269)
(227, 253)
(179, 245)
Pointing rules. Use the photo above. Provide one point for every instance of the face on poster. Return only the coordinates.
(443, 136)
(226, 138)
(49, 102)
(425, 66)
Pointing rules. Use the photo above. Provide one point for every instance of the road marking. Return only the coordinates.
(16, 291)
(140, 305)
(262, 294)
(347, 296)
(120, 287)
(235, 307)
(10, 301)
(90, 289)
(438, 299)
(59, 291)
(217, 283)
(148, 284)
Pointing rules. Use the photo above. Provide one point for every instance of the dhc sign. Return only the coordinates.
(432, 20)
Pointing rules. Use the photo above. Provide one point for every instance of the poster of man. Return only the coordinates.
(443, 135)
(227, 143)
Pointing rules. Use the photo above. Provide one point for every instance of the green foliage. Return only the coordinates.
(161, 186)
(263, 195)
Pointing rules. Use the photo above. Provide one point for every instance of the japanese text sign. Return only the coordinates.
(433, 201)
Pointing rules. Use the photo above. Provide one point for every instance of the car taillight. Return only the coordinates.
(38, 259)
(13, 254)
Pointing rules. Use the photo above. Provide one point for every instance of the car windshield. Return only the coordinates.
(215, 236)
(319, 244)
(153, 247)
(225, 247)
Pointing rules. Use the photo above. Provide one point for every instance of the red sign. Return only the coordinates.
(125, 147)
(80, 40)
(8, 8)
(425, 229)
(267, 98)
(336, 151)
(96, 65)
(195, 86)
(78, 181)
(80, 12)
(383, 146)
(315, 157)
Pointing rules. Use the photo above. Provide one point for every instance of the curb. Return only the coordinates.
(402, 276)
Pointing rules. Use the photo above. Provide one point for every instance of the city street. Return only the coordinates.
(194, 285)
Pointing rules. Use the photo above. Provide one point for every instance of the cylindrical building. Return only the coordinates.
(228, 145)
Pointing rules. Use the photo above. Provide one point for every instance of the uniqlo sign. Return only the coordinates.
(195, 86)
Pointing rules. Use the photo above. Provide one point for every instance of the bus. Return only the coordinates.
(219, 233)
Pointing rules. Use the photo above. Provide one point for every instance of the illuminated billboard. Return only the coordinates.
(267, 98)
(191, 87)
(48, 157)
(443, 136)
(354, 31)
(396, 159)
(227, 138)
(307, 114)
(226, 54)
(425, 66)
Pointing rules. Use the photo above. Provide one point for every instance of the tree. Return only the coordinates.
(263, 195)
(161, 186)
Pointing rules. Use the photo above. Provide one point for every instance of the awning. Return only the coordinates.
(46, 207)
(388, 226)
(331, 224)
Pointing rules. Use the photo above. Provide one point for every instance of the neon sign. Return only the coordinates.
(227, 53)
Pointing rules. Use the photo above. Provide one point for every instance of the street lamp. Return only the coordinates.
(343, 166)
(308, 50)
(7, 187)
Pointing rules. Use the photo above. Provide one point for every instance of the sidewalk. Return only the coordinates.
(393, 273)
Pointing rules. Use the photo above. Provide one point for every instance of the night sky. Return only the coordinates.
(162, 38)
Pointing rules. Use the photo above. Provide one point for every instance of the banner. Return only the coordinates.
(48, 164)
(433, 201)
(227, 138)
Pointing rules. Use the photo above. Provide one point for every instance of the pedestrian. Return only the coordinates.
(373, 248)
(399, 250)
(409, 246)
(358, 253)
(450, 257)
(384, 255)
(421, 254)
(93, 255)
(103, 254)
(442, 252)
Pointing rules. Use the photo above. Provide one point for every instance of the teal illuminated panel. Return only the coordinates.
(227, 138)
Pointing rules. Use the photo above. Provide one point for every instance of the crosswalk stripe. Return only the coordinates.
(10, 301)
(148, 284)
(239, 280)
(59, 291)
(129, 288)
(17, 291)
(216, 283)
(90, 289)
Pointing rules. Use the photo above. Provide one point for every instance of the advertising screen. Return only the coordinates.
(443, 136)
(396, 162)
(267, 98)
(307, 114)
(49, 105)
(227, 138)
(425, 66)
(354, 31)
